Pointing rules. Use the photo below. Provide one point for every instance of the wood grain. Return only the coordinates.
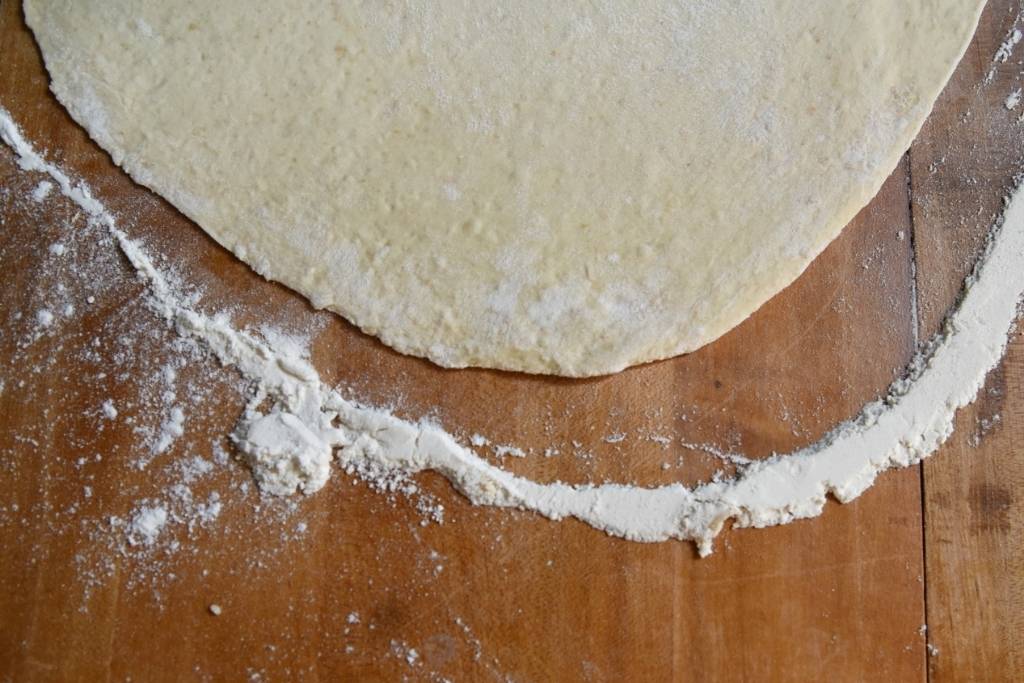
(517, 598)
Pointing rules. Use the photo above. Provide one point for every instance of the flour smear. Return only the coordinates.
(295, 426)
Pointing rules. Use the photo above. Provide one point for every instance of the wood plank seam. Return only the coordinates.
(915, 323)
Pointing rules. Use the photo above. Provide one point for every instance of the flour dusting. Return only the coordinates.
(1005, 51)
(294, 426)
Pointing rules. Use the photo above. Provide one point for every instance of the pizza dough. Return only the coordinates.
(563, 188)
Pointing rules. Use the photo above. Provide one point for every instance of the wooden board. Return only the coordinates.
(962, 166)
(491, 594)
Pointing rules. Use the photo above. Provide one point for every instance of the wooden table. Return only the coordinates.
(346, 584)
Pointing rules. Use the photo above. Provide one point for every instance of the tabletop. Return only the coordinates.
(108, 415)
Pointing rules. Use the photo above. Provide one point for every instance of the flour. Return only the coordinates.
(726, 457)
(1004, 52)
(403, 651)
(42, 191)
(294, 425)
(171, 429)
(146, 524)
(502, 450)
(108, 409)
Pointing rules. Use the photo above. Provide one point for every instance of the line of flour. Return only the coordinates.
(290, 446)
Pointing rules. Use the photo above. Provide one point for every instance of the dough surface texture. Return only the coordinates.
(566, 188)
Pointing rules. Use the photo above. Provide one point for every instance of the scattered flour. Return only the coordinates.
(172, 428)
(146, 524)
(294, 426)
(500, 451)
(402, 651)
(108, 409)
(42, 191)
(1004, 52)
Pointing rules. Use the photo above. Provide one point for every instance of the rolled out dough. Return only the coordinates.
(568, 187)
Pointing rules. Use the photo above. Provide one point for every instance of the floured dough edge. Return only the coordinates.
(83, 112)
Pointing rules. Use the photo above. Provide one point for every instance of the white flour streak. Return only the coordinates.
(1005, 51)
(290, 445)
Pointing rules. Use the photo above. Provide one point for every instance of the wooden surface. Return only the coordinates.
(494, 595)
